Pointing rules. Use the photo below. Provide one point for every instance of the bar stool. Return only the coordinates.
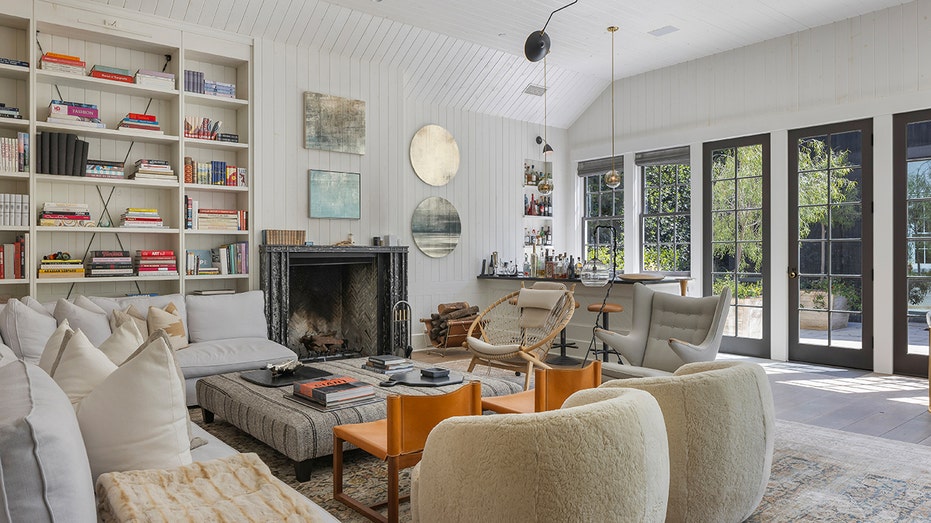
(562, 359)
(605, 311)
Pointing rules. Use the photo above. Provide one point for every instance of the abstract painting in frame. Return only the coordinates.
(334, 194)
(333, 123)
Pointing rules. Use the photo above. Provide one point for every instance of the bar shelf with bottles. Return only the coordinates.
(536, 204)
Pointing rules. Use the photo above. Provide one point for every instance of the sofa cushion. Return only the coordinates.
(137, 417)
(227, 316)
(142, 304)
(7, 355)
(169, 320)
(122, 343)
(53, 347)
(220, 356)
(118, 317)
(80, 367)
(84, 315)
(44, 474)
(25, 330)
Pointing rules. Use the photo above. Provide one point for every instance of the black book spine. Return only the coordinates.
(70, 140)
(80, 169)
(62, 153)
(40, 168)
(53, 153)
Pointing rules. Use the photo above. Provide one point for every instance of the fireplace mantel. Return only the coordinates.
(390, 269)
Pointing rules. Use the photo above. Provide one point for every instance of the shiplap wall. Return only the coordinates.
(487, 190)
(870, 66)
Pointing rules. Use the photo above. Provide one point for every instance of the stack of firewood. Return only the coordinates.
(459, 312)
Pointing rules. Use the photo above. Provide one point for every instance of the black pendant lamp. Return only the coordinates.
(538, 43)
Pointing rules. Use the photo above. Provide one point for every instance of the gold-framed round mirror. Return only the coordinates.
(434, 155)
(435, 227)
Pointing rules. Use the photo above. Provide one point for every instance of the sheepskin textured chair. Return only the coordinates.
(719, 421)
(602, 457)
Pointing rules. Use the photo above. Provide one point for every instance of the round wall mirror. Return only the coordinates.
(434, 155)
(436, 227)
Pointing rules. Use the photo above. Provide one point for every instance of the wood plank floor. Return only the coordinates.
(891, 407)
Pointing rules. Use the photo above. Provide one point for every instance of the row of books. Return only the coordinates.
(102, 264)
(74, 65)
(65, 214)
(195, 82)
(329, 392)
(14, 61)
(14, 210)
(214, 172)
(10, 112)
(146, 263)
(388, 364)
(213, 219)
(14, 153)
(61, 153)
(13, 258)
(62, 63)
(156, 263)
(137, 217)
(231, 258)
(151, 169)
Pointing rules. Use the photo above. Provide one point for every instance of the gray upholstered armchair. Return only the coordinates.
(667, 332)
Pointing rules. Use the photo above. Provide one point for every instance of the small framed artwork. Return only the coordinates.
(333, 123)
(334, 194)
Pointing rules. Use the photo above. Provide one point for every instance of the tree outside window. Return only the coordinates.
(666, 218)
(603, 206)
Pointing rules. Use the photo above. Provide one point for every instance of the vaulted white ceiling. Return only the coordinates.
(469, 54)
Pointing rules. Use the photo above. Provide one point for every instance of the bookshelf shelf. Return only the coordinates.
(13, 123)
(111, 134)
(14, 71)
(14, 228)
(99, 84)
(107, 279)
(14, 176)
(214, 188)
(210, 232)
(120, 182)
(215, 101)
(4, 281)
(107, 230)
(215, 144)
(216, 276)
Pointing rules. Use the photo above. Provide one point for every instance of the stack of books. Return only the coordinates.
(219, 89)
(10, 112)
(109, 263)
(156, 263)
(157, 79)
(330, 392)
(137, 217)
(13, 258)
(220, 220)
(61, 153)
(14, 153)
(283, 237)
(14, 209)
(14, 61)
(194, 81)
(74, 113)
(140, 122)
(148, 169)
(62, 63)
(55, 214)
(104, 169)
(111, 73)
(214, 172)
(232, 258)
(58, 268)
(388, 364)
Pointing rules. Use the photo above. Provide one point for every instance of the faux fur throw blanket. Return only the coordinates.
(235, 488)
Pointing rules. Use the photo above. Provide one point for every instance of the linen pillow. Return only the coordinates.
(227, 316)
(130, 314)
(137, 417)
(80, 367)
(25, 330)
(122, 343)
(53, 347)
(169, 320)
(93, 322)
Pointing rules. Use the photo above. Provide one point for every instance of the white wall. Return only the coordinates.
(487, 190)
(868, 66)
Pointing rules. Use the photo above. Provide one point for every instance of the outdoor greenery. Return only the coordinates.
(667, 197)
(918, 225)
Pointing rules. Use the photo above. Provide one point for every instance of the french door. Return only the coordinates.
(736, 199)
(830, 244)
(911, 164)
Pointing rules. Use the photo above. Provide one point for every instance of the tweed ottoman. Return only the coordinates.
(300, 432)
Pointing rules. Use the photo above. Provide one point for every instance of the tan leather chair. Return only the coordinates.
(399, 439)
(551, 387)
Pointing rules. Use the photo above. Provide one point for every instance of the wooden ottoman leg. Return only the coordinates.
(302, 470)
(208, 416)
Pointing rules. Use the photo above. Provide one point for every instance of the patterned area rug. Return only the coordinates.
(818, 475)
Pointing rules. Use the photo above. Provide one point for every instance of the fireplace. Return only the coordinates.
(330, 302)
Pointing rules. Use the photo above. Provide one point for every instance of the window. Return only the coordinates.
(603, 206)
(666, 221)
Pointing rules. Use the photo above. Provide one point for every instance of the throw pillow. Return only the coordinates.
(93, 322)
(245, 312)
(80, 367)
(137, 417)
(53, 347)
(25, 330)
(130, 314)
(122, 343)
(169, 320)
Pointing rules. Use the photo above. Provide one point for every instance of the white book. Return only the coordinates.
(9, 252)
(195, 207)
(5, 213)
(17, 209)
(26, 211)
(224, 261)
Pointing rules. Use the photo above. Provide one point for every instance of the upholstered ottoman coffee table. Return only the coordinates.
(303, 433)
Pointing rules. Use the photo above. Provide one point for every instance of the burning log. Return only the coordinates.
(326, 343)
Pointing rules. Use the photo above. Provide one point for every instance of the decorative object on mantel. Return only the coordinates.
(347, 242)
(612, 178)
(434, 155)
(537, 45)
(333, 123)
(435, 227)
(334, 194)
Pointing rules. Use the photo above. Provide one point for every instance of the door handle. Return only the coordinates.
(793, 273)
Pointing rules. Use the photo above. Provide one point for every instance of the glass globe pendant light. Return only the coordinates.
(545, 185)
(595, 273)
(612, 178)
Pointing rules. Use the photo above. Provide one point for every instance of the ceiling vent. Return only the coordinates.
(663, 31)
(536, 90)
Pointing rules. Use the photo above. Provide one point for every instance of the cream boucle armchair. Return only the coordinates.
(602, 457)
(719, 421)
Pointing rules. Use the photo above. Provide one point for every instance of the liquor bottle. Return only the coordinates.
(533, 175)
(526, 174)
(533, 206)
(526, 205)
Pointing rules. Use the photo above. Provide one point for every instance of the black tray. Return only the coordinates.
(415, 379)
(264, 377)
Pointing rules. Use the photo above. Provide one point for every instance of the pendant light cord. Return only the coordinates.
(545, 142)
(613, 29)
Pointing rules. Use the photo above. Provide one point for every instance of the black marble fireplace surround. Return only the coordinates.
(334, 292)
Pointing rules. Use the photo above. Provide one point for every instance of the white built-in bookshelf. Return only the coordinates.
(100, 35)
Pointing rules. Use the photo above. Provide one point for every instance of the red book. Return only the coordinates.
(17, 254)
(146, 259)
(65, 216)
(55, 60)
(113, 76)
(140, 116)
(307, 388)
(217, 211)
(155, 253)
